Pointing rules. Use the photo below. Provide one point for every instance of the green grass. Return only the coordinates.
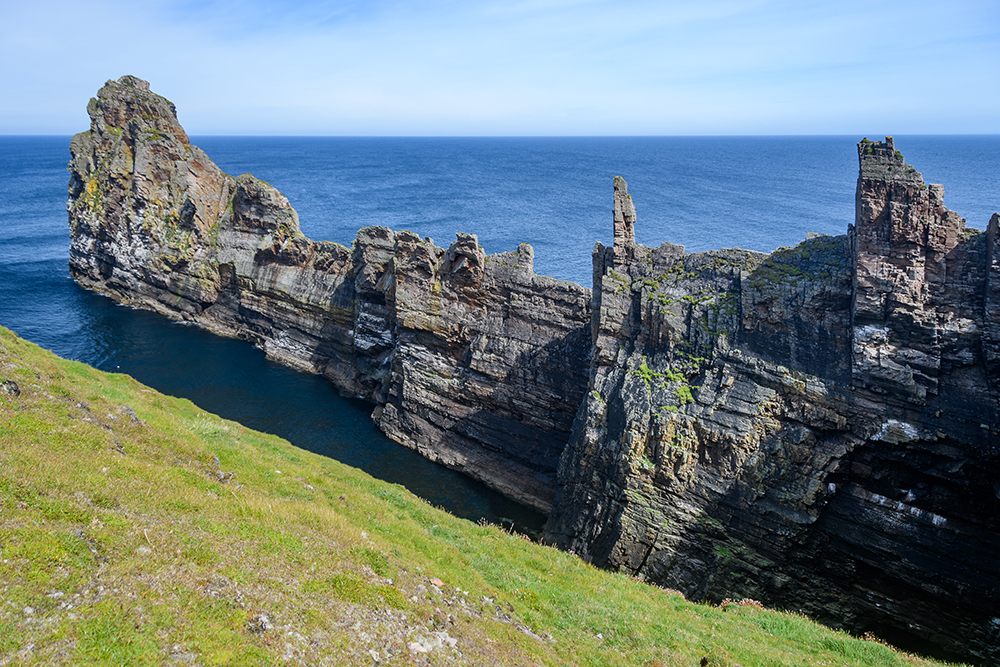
(121, 544)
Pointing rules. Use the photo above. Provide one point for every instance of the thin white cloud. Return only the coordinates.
(544, 67)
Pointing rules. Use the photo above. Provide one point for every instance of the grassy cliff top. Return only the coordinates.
(137, 529)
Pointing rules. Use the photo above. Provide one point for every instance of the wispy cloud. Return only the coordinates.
(530, 67)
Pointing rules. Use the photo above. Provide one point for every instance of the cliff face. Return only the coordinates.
(452, 344)
(817, 428)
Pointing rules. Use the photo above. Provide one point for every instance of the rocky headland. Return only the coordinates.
(473, 360)
(818, 428)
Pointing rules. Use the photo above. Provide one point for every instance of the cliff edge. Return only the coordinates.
(816, 428)
(472, 358)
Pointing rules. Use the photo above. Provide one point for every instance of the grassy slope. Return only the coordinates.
(119, 544)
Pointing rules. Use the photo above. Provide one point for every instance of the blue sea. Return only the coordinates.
(554, 193)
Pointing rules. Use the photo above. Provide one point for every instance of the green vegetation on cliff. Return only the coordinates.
(137, 529)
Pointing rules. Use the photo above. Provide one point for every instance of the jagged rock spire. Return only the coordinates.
(624, 241)
(904, 274)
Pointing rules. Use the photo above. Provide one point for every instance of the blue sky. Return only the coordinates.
(548, 67)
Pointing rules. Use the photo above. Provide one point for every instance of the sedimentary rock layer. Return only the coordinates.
(816, 428)
(472, 359)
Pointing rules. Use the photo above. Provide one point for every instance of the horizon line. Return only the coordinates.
(545, 136)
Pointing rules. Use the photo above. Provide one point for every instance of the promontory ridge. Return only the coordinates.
(817, 428)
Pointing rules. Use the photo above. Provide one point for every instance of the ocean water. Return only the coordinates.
(554, 193)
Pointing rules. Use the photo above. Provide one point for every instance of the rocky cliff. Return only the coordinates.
(472, 359)
(816, 428)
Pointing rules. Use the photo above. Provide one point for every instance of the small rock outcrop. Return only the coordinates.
(471, 358)
(816, 428)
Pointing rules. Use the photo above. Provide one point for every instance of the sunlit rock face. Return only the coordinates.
(816, 428)
(472, 358)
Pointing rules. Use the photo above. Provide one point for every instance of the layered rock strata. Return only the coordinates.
(816, 428)
(472, 359)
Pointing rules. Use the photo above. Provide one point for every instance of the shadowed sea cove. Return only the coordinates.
(757, 193)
